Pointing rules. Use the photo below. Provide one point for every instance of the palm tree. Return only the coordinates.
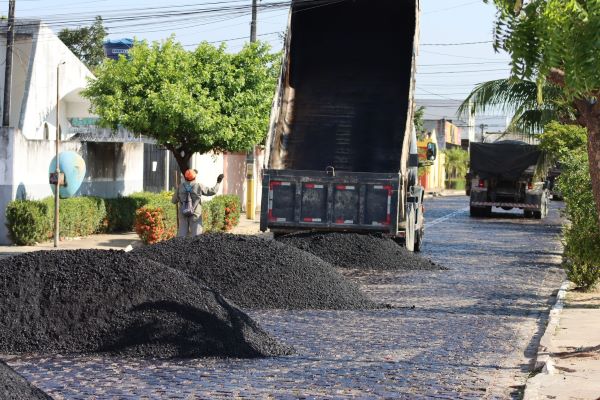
(532, 107)
(457, 161)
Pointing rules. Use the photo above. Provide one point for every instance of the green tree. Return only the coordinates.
(519, 98)
(558, 41)
(87, 43)
(419, 120)
(457, 163)
(560, 140)
(190, 102)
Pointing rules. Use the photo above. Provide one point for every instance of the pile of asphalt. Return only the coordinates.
(94, 301)
(14, 387)
(358, 251)
(259, 273)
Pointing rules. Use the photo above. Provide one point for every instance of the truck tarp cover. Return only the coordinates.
(505, 160)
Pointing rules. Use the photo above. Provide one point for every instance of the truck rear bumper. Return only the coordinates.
(525, 206)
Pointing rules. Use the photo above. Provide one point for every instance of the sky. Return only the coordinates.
(447, 67)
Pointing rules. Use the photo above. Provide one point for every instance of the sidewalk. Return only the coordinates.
(570, 349)
(117, 241)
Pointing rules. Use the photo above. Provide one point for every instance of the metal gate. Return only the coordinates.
(155, 172)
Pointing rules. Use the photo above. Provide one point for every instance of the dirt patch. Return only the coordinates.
(91, 301)
(14, 387)
(259, 273)
(357, 251)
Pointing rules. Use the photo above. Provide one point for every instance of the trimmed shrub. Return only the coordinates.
(150, 225)
(78, 216)
(121, 211)
(221, 213)
(28, 222)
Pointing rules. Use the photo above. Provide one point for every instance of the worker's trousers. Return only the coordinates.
(189, 226)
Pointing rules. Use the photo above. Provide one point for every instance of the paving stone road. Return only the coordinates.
(471, 333)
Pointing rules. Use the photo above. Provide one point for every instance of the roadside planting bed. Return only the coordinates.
(14, 387)
(259, 273)
(94, 301)
(359, 251)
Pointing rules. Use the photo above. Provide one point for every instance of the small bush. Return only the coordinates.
(161, 200)
(221, 213)
(150, 225)
(28, 222)
(120, 214)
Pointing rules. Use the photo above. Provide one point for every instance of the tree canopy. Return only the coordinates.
(87, 43)
(188, 101)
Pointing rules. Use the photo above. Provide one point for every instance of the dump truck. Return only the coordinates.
(507, 174)
(341, 152)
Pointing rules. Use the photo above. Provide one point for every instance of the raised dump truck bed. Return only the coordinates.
(341, 150)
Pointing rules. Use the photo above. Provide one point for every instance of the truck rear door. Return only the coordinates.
(311, 200)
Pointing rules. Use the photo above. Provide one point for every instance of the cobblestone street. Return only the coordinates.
(468, 332)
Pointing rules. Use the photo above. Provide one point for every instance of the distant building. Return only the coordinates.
(114, 48)
(471, 126)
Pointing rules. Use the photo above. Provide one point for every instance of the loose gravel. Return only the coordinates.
(14, 387)
(259, 273)
(94, 301)
(358, 251)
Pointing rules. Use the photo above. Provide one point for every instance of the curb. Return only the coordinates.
(544, 362)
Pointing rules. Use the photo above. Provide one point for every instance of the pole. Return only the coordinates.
(57, 170)
(253, 22)
(250, 195)
(167, 171)
(10, 40)
(482, 126)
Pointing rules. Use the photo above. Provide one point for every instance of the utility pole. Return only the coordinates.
(10, 40)
(250, 195)
(482, 126)
(253, 22)
(57, 157)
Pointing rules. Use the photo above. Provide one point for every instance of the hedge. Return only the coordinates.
(32, 221)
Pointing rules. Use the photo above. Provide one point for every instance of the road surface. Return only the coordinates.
(468, 332)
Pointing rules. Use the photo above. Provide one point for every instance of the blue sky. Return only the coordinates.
(445, 71)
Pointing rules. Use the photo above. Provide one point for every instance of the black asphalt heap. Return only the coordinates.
(259, 273)
(14, 387)
(91, 301)
(356, 251)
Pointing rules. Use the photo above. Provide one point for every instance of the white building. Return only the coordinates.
(27, 145)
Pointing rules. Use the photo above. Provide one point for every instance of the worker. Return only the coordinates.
(188, 197)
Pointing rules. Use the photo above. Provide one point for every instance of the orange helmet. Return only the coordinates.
(190, 175)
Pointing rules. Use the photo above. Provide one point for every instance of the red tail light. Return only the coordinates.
(530, 186)
(481, 183)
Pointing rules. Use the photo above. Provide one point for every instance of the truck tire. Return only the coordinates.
(419, 240)
(480, 211)
(410, 230)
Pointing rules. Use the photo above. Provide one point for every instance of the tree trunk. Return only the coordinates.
(594, 157)
(183, 161)
(590, 118)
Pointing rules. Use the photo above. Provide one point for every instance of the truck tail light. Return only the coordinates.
(481, 183)
(529, 185)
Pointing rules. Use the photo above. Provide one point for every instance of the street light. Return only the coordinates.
(57, 157)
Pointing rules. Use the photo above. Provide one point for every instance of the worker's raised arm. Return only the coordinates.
(206, 191)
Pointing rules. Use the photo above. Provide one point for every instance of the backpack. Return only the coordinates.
(187, 206)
